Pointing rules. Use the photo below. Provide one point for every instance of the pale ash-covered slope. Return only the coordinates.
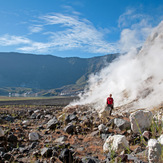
(135, 79)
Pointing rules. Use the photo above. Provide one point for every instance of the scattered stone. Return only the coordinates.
(133, 158)
(12, 138)
(19, 156)
(160, 139)
(2, 121)
(129, 131)
(52, 159)
(61, 139)
(30, 112)
(101, 128)
(33, 145)
(137, 150)
(37, 111)
(80, 149)
(52, 123)
(24, 150)
(126, 114)
(8, 157)
(140, 121)
(46, 152)
(33, 116)
(41, 127)
(122, 124)
(1, 132)
(26, 122)
(109, 157)
(105, 136)
(66, 156)
(111, 122)
(116, 143)
(70, 129)
(123, 158)
(94, 133)
(27, 139)
(2, 149)
(147, 135)
(36, 153)
(154, 151)
(62, 117)
(33, 136)
(55, 153)
(9, 118)
(48, 116)
(103, 114)
(90, 160)
(86, 121)
(70, 118)
(38, 116)
(143, 154)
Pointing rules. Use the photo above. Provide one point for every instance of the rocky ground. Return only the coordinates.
(72, 135)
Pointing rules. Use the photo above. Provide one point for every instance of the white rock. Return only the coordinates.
(48, 116)
(1, 132)
(33, 136)
(61, 139)
(154, 151)
(116, 143)
(140, 121)
(104, 113)
(26, 122)
(37, 111)
(101, 127)
(160, 139)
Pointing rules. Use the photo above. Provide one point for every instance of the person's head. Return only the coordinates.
(110, 95)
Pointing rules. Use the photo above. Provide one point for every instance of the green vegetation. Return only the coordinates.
(156, 129)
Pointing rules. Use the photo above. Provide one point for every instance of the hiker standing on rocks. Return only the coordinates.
(110, 103)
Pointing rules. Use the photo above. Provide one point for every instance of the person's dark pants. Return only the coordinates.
(111, 106)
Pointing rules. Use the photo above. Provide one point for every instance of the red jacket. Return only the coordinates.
(110, 100)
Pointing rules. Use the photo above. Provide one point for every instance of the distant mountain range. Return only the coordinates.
(47, 72)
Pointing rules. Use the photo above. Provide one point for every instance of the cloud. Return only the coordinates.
(134, 29)
(70, 9)
(131, 17)
(35, 29)
(123, 19)
(8, 40)
(75, 33)
(70, 32)
(36, 46)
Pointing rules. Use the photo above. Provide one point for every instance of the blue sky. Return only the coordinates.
(81, 28)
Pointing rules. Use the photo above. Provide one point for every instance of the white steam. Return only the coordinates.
(135, 78)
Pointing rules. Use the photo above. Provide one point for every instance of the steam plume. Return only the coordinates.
(135, 78)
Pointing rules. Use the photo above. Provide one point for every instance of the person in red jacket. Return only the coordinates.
(110, 103)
